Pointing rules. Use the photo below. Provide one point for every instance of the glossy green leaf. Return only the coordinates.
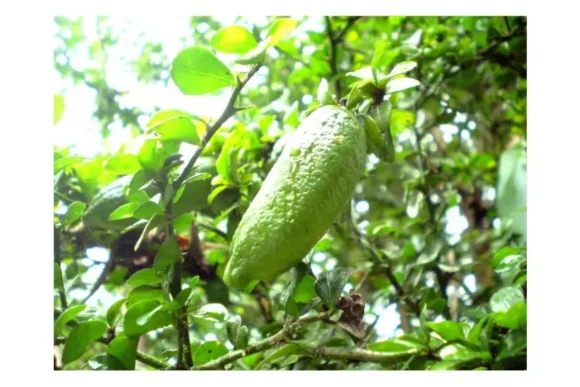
(168, 254)
(81, 337)
(74, 212)
(395, 345)
(67, 162)
(448, 330)
(174, 125)
(147, 210)
(305, 290)
(123, 164)
(515, 317)
(208, 351)
(197, 71)
(145, 277)
(145, 316)
(145, 293)
(67, 316)
(125, 211)
(114, 312)
(505, 298)
(234, 40)
(124, 349)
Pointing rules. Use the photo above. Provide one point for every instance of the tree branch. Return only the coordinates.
(184, 357)
(359, 354)
(228, 112)
(263, 344)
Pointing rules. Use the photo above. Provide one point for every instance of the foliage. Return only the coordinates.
(434, 237)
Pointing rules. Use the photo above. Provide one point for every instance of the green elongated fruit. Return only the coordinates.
(303, 194)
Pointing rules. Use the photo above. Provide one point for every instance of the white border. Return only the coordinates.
(26, 60)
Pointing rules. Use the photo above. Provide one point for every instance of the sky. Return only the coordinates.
(80, 132)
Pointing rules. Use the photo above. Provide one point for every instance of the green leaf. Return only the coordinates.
(448, 330)
(280, 353)
(114, 312)
(145, 316)
(401, 68)
(168, 254)
(505, 298)
(153, 153)
(280, 29)
(512, 189)
(81, 337)
(125, 211)
(514, 344)
(145, 293)
(305, 290)
(460, 353)
(208, 351)
(174, 125)
(124, 349)
(514, 318)
(66, 162)
(197, 71)
(507, 257)
(224, 160)
(66, 316)
(75, 211)
(362, 73)
(58, 108)
(401, 84)
(123, 164)
(137, 196)
(183, 222)
(147, 210)
(232, 326)
(401, 120)
(234, 40)
(287, 299)
(215, 193)
(145, 277)
(212, 312)
(329, 286)
(395, 345)
(242, 338)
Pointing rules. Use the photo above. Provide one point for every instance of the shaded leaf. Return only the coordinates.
(329, 286)
(81, 337)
